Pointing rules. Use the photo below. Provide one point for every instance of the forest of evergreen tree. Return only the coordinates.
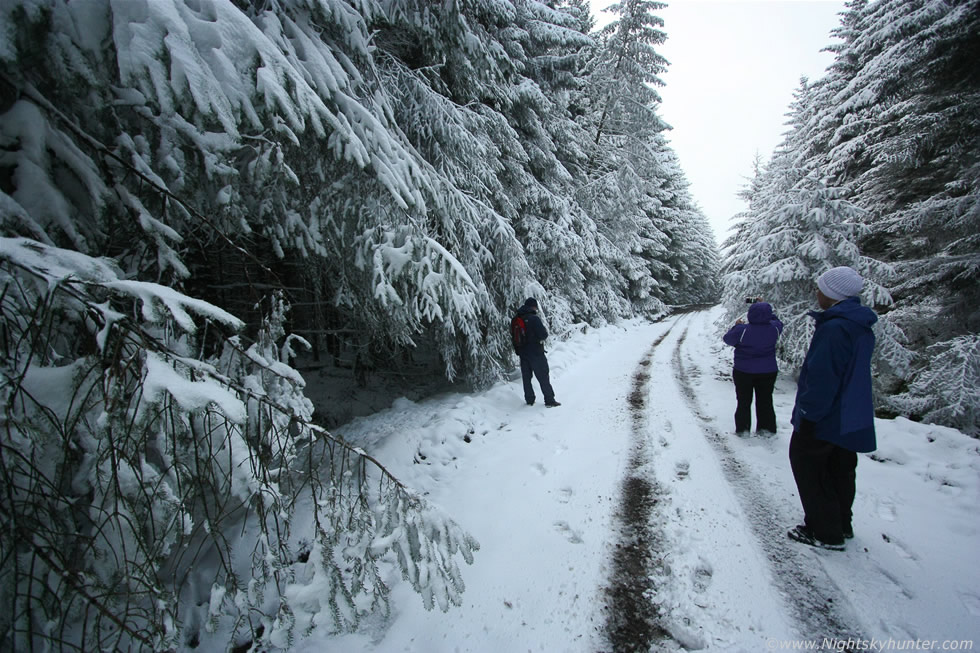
(880, 170)
(185, 182)
(407, 172)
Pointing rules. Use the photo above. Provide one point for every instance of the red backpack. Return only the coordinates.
(518, 332)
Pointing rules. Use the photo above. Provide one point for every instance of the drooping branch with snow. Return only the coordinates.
(143, 477)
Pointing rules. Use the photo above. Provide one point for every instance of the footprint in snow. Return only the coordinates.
(539, 468)
(886, 510)
(565, 495)
(971, 602)
(682, 469)
(701, 576)
(570, 533)
(897, 582)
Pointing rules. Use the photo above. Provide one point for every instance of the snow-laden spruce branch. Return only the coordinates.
(151, 180)
(142, 479)
(944, 391)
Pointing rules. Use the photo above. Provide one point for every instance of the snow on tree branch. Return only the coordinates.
(147, 480)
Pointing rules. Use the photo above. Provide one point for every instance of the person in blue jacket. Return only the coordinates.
(755, 368)
(533, 359)
(833, 419)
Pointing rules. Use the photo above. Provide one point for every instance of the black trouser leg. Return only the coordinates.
(765, 414)
(526, 371)
(743, 395)
(843, 468)
(543, 373)
(819, 469)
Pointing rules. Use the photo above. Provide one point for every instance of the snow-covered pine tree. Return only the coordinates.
(156, 138)
(766, 195)
(816, 130)
(895, 116)
(271, 138)
(561, 240)
(629, 163)
(580, 10)
(692, 255)
(471, 107)
(795, 237)
(624, 74)
(751, 193)
(630, 224)
(795, 228)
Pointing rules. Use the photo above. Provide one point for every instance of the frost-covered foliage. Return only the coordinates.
(692, 255)
(489, 128)
(655, 238)
(411, 170)
(401, 173)
(163, 483)
(945, 390)
(893, 127)
(900, 134)
(178, 135)
(625, 72)
(787, 240)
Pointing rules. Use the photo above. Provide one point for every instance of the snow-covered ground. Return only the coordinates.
(547, 492)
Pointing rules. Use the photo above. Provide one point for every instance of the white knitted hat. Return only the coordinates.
(840, 283)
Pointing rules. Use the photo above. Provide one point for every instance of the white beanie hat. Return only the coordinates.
(840, 283)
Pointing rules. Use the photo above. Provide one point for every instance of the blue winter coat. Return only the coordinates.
(755, 342)
(536, 332)
(834, 390)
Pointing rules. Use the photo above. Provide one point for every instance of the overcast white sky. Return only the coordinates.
(734, 65)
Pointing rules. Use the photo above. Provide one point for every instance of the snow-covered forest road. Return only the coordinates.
(632, 518)
(672, 500)
(196, 192)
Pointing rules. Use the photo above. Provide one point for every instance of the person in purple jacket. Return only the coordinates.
(755, 368)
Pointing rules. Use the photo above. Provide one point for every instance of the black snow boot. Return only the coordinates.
(804, 535)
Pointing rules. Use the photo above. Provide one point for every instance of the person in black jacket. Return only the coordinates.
(533, 360)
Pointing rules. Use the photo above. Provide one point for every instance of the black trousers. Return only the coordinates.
(825, 475)
(537, 365)
(761, 385)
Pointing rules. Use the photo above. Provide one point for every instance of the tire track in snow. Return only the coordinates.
(814, 600)
(633, 621)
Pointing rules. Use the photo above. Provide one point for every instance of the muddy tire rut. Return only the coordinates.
(632, 619)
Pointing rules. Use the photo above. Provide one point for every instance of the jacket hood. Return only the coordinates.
(849, 309)
(760, 313)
